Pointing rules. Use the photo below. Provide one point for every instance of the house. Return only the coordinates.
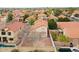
(61, 16)
(71, 30)
(3, 19)
(38, 11)
(31, 17)
(17, 14)
(40, 27)
(75, 15)
(9, 34)
(52, 17)
(65, 12)
(75, 12)
(42, 16)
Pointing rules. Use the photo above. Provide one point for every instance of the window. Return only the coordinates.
(0, 39)
(11, 39)
(5, 39)
(3, 33)
(9, 33)
(2, 29)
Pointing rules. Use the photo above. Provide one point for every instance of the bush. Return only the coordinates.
(25, 16)
(57, 12)
(10, 17)
(31, 21)
(63, 38)
(49, 11)
(63, 20)
(54, 36)
(52, 24)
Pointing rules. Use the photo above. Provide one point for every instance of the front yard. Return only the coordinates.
(60, 40)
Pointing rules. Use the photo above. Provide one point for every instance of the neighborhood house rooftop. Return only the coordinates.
(39, 23)
(15, 26)
(70, 29)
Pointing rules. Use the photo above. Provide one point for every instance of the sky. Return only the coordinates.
(39, 3)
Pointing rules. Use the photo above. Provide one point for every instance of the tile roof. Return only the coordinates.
(68, 24)
(72, 32)
(52, 17)
(76, 12)
(17, 12)
(39, 23)
(31, 17)
(61, 16)
(15, 26)
(71, 29)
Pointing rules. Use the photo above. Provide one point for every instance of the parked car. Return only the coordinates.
(68, 49)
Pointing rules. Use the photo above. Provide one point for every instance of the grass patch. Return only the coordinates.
(60, 37)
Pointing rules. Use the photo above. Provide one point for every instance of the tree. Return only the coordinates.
(57, 12)
(31, 21)
(25, 16)
(71, 10)
(63, 38)
(1, 12)
(52, 24)
(49, 11)
(63, 20)
(10, 17)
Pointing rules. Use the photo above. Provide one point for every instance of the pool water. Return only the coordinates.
(3, 45)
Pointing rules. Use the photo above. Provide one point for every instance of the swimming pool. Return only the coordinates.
(4, 45)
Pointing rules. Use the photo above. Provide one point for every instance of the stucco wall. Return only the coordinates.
(42, 29)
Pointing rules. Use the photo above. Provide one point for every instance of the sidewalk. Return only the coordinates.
(27, 49)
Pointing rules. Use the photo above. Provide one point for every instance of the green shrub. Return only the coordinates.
(63, 20)
(10, 17)
(25, 16)
(54, 36)
(31, 21)
(52, 24)
(57, 12)
(63, 38)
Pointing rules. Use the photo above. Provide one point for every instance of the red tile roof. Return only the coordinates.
(52, 17)
(71, 29)
(68, 24)
(17, 12)
(72, 32)
(38, 24)
(61, 16)
(15, 26)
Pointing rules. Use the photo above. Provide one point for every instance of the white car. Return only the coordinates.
(68, 49)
